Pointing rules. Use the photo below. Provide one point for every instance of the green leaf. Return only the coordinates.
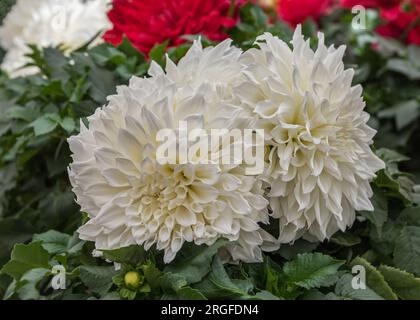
(45, 124)
(127, 294)
(265, 295)
(407, 250)
(152, 275)
(53, 241)
(405, 284)
(172, 282)
(404, 113)
(193, 262)
(175, 287)
(97, 279)
(345, 239)
(218, 285)
(291, 251)
(158, 53)
(24, 258)
(380, 213)
(68, 124)
(414, 55)
(21, 113)
(404, 67)
(188, 293)
(132, 255)
(385, 242)
(393, 182)
(55, 59)
(27, 287)
(103, 84)
(375, 280)
(391, 156)
(344, 289)
(311, 270)
(410, 216)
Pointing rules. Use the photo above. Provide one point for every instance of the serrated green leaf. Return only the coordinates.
(24, 258)
(410, 216)
(375, 280)
(291, 251)
(311, 270)
(405, 284)
(45, 124)
(265, 295)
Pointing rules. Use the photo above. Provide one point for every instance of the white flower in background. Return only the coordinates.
(132, 199)
(68, 24)
(320, 162)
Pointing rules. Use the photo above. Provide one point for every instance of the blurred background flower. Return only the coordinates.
(148, 22)
(66, 24)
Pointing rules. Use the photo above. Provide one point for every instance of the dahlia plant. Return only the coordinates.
(90, 208)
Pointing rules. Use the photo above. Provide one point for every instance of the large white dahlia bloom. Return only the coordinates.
(68, 24)
(133, 199)
(320, 162)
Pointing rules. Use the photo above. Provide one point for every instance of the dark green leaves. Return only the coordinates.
(407, 250)
(132, 255)
(344, 290)
(375, 280)
(56, 242)
(98, 279)
(395, 183)
(219, 285)
(24, 258)
(404, 113)
(403, 283)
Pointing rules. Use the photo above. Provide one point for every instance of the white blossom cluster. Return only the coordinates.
(318, 161)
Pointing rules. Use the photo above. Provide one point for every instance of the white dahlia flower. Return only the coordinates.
(68, 24)
(133, 199)
(319, 162)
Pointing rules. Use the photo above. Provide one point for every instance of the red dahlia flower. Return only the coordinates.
(297, 11)
(149, 22)
(402, 22)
